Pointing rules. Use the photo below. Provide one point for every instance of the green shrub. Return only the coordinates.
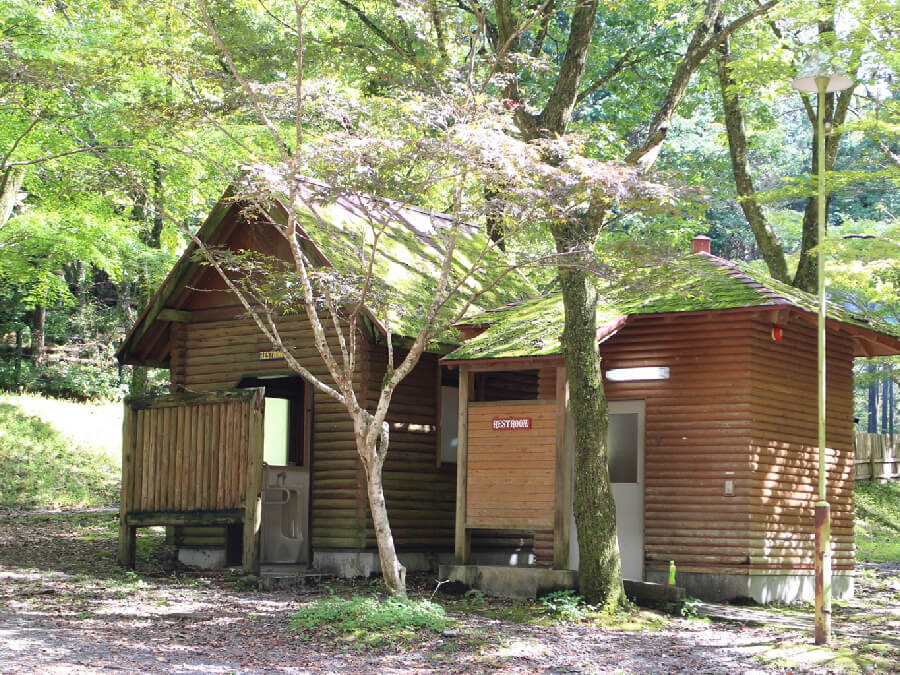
(566, 606)
(77, 381)
(371, 621)
(878, 521)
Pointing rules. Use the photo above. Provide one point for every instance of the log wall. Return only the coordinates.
(737, 407)
(784, 447)
(420, 496)
(219, 349)
(698, 431)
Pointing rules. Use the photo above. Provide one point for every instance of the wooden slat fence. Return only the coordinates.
(188, 452)
(876, 458)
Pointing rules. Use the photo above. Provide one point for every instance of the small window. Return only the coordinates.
(449, 424)
(277, 431)
(623, 447)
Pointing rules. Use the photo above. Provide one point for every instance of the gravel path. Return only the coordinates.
(66, 607)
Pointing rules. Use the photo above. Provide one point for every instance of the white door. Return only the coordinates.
(626, 473)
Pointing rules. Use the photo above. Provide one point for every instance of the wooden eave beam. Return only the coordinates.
(514, 363)
(174, 315)
(175, 280)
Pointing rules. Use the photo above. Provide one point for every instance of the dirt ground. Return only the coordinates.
(65, 607)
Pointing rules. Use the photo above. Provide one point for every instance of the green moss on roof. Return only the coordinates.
(692, 283)
(407, 261)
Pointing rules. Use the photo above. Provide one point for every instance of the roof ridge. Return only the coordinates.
(737, 272)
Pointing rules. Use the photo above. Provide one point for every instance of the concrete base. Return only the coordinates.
(349, 564)
(510, 582)
(203, 558)
(762, 588)
(647, 592)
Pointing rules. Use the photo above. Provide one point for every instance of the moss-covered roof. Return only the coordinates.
(693, 283)
(407, 259)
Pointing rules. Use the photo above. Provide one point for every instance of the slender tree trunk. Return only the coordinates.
(17, 367)
(38, 332)
(872, 422)
(10, 184)
(769, 246)
(393, 572)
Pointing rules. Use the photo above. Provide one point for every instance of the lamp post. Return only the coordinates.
(817, 75)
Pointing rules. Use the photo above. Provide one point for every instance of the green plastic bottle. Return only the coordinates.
(671, 573)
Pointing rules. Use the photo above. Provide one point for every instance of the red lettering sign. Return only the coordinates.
(510, 423)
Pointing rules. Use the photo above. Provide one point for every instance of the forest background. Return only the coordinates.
(121, 124)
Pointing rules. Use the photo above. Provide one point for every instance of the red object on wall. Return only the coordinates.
(777, 333)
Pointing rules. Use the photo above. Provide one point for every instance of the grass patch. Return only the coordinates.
(878, 521)
(42, 463)
(373, 622)
(559, 607)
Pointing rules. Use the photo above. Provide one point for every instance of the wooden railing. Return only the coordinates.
(876, 458)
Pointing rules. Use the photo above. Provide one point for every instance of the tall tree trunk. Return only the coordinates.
(38, 332)
(17, 367)
(872, 421)
(769, 246)
(599, 566)
(836, 108)
(10, 183)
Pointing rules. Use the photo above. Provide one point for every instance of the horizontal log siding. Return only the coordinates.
(697, 436)
(190, 457)
(420, 497)
(511, 473)
(784, 447)
(220, 349)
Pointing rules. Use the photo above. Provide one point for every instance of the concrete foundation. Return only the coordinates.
(510, 582)
(762, 588)
(349, 564)
(202, 558)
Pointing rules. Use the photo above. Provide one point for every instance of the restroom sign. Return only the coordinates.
(271, 356)
(510, 423)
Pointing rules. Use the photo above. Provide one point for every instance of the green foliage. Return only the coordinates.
(373, 622)
(566, 606)
(688, 608)
(76, 381)
(878, 521)
(40, 466)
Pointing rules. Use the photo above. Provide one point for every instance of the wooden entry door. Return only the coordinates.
(285, 488)
(626, 473)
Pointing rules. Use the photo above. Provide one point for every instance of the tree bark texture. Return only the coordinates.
(10, 184)
(392, 570)
(769, 246)
(38, 332)
(600, 569)
(705, 38)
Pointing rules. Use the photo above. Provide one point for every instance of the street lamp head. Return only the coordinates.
(819, 65)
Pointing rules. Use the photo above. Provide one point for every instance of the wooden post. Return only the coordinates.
(562, 502)
(126, 500)
(250, 558)
(462, 538)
